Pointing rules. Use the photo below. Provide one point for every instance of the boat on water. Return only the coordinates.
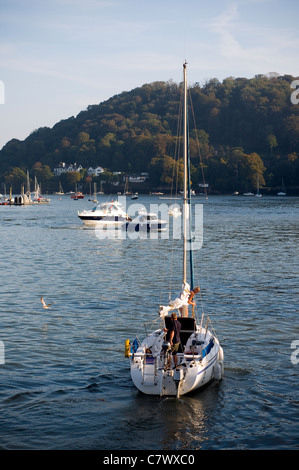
(41, 200)
(146, 222)
(6, 200)
(77, 195)
(283, 189)
(258, 194)
(94, 199)
(37, 196)
(109, 213)
(199, 360)
(60, 192)
(175, 211)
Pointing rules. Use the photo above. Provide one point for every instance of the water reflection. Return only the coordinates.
(168, 423)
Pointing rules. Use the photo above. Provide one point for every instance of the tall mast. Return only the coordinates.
(185, 206)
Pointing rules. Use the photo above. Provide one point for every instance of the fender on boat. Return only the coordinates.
(127, 348)
(217, 371)
(220, 354)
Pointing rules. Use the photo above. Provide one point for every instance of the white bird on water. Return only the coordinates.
(44, 303)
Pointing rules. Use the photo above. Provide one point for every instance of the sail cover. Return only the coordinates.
(179, 302)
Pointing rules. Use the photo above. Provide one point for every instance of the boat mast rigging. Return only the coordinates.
(187, 225)
(185, 207)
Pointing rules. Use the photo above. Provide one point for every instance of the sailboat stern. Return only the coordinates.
(153, 371)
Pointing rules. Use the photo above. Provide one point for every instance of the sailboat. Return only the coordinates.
(60, 192)
(126, 188)
(101, 189)
(283, 189)
(94, 199)
(37, 197)
(258, 194)
(200, 357)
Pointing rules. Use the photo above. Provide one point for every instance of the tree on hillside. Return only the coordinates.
(15, 176)
(271, 142)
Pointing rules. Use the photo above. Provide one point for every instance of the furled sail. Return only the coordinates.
(179, 302)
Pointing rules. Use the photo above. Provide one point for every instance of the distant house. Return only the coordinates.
(63, 168)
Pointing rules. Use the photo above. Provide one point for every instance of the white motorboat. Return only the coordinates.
(200, 357)
(107, 213)
(146, 222)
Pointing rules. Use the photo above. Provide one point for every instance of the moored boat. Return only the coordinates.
(283, 189)
(77, 196)
(107, 213)
(146, 222)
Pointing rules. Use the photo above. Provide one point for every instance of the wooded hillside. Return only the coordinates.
(245, 127)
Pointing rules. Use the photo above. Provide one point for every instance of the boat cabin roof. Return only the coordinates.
(187, 323)
(109, 204)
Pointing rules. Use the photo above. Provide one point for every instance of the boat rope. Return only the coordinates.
(174, 191)
(198, 146)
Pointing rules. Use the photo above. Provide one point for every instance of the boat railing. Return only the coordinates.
(152, 325)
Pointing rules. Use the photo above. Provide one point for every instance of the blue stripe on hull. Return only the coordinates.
(103, 219)
(209, 365)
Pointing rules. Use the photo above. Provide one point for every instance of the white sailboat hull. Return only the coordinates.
(151, 375)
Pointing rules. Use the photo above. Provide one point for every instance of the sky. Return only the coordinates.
(59, 56)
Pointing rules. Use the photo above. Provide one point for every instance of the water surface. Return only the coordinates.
(66, 384)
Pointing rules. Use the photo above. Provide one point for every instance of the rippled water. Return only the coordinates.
(65, 383)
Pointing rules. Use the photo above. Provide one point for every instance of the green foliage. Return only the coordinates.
(244, 128)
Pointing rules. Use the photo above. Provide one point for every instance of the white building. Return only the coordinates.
(63, 168)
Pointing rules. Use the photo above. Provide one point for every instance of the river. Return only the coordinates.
(65, 383)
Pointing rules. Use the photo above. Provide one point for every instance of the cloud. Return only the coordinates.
(252, 46)
(225, 26)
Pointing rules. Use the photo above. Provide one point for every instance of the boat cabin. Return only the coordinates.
(188, 326)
